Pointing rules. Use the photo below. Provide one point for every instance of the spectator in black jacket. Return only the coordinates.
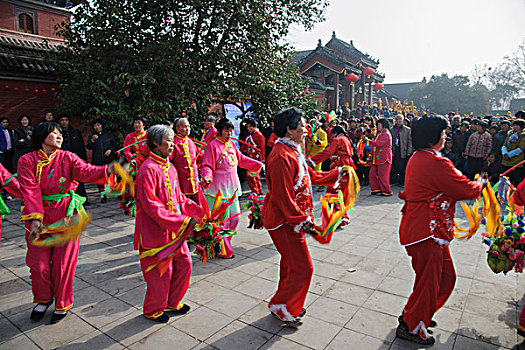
(459, 142)
(103, 145)
(73, 142)
(22, 139)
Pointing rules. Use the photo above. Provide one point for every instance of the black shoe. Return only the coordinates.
(374, 193)
(163, 318)
(293, 324)
(104, 200)
(431, 325)
(55, 318)
(403, 333)
(183, 310)
(36, 315)
(303, 312)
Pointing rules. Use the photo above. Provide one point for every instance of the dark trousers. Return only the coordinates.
(81, 190)
(515, 176)
(397, 172)
(474, 166)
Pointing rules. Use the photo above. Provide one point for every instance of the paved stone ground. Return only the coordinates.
(228, 297)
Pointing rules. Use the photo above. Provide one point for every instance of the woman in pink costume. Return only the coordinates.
(381, 160)
(219, 173)
(48, 179)
(163, 215)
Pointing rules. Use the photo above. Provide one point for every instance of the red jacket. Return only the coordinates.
(339, 151)
(432, 188)
(519, 196)
(289, 197)
(256, 139)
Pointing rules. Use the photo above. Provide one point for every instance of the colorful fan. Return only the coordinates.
(60, 232)
(334, 207)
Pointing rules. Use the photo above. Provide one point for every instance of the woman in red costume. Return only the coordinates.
(432, 188)
(379, 176)
(340, 153)
(163, 214)
(10, 184)
(288, 214)
(138, 153)
(48, 178)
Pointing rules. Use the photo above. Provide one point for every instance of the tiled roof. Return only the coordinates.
(350, 50)
(24, 57)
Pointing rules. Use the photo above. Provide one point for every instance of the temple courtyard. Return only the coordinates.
(228, 298)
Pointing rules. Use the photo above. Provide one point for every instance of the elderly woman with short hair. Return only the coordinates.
(164, 214)
(432, 188)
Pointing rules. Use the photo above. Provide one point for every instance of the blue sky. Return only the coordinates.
(420, 38)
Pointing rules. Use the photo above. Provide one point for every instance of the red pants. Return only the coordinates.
(52, 272)
(379, 178)
(168, 290)
(296, 270)
(435, 279)
(255, 183)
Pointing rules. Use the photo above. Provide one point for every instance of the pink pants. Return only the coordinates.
(52, 273)
(435, 279)
(379, 178)
(296, 270)
(168, 290)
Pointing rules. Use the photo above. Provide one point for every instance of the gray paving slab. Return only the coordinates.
(346, 310)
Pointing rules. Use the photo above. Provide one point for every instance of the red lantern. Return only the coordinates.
(44, 91)
(53, 89)
(352, 78)
(36, 90)
(368, 71)
(16, 89)
(6, 87)
(378, 86)
(26, 90)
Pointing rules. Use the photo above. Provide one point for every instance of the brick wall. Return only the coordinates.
(6, 16)
(14, 103)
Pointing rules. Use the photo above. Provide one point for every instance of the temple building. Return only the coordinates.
(27, 32)
(339, 74)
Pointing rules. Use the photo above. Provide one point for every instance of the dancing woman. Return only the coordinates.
(288, 213)
(164, 214)
(48, 179)
(219, 173)
(432, 188)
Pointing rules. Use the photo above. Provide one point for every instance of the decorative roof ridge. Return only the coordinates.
(26, 43)
(354, 52)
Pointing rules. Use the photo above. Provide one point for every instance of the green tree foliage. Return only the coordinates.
(162, 58)
(443, 94)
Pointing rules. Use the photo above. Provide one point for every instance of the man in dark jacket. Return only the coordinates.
(401, 148)
(103, 146)
(73, 142)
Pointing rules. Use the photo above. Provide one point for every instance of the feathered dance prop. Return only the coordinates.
(119, 183)
(490, 215)
(334, 207)
(362, 147)
(255, 204)
(60, 232)
(210, 232)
